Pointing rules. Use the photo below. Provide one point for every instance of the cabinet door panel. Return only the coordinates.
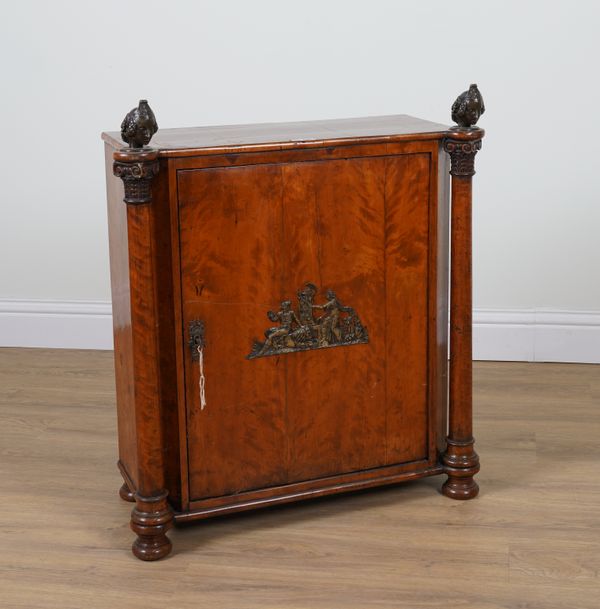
(333, 218)
(251, 237)
(407, 245)
(230, 239)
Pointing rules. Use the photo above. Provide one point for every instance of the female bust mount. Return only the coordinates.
(139, 125)
(467, 108)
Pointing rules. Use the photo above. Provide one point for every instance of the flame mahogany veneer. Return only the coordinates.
(222, 225)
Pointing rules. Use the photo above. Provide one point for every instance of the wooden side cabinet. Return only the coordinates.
(280, 306)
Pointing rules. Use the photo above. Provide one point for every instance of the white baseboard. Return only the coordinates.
(536, 335)
(498, 334)
(56, 324)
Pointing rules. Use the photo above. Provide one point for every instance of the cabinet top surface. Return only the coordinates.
(305, 134)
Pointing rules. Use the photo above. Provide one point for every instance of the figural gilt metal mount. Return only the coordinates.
(337, 326)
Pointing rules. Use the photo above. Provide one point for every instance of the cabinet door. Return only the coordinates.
(250, 238)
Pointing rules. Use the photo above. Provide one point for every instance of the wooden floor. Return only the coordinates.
(531, 540)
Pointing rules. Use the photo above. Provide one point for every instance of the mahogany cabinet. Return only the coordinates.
(280, 305)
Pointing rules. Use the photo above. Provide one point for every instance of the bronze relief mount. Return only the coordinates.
(312, 326)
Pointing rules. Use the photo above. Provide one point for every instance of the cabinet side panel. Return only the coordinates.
(406, 306)
(121, 314)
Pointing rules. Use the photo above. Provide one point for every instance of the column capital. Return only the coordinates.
(136, 168)
(463, 141)
(462, 146)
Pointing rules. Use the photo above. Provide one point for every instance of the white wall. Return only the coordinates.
(71, 69)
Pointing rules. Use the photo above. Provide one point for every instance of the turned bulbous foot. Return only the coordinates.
(460, 488)
(150, 520)
(461, 463)
(126, 494)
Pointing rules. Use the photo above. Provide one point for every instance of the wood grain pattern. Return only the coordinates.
(461, 299)
(533, 538)
(460, 459)
(167, 340)
(121, 314)
(333, 236)
(441, 228)
(251, 236)
(406, 306)
(281, 136)
(151, 517)
(230, 232)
